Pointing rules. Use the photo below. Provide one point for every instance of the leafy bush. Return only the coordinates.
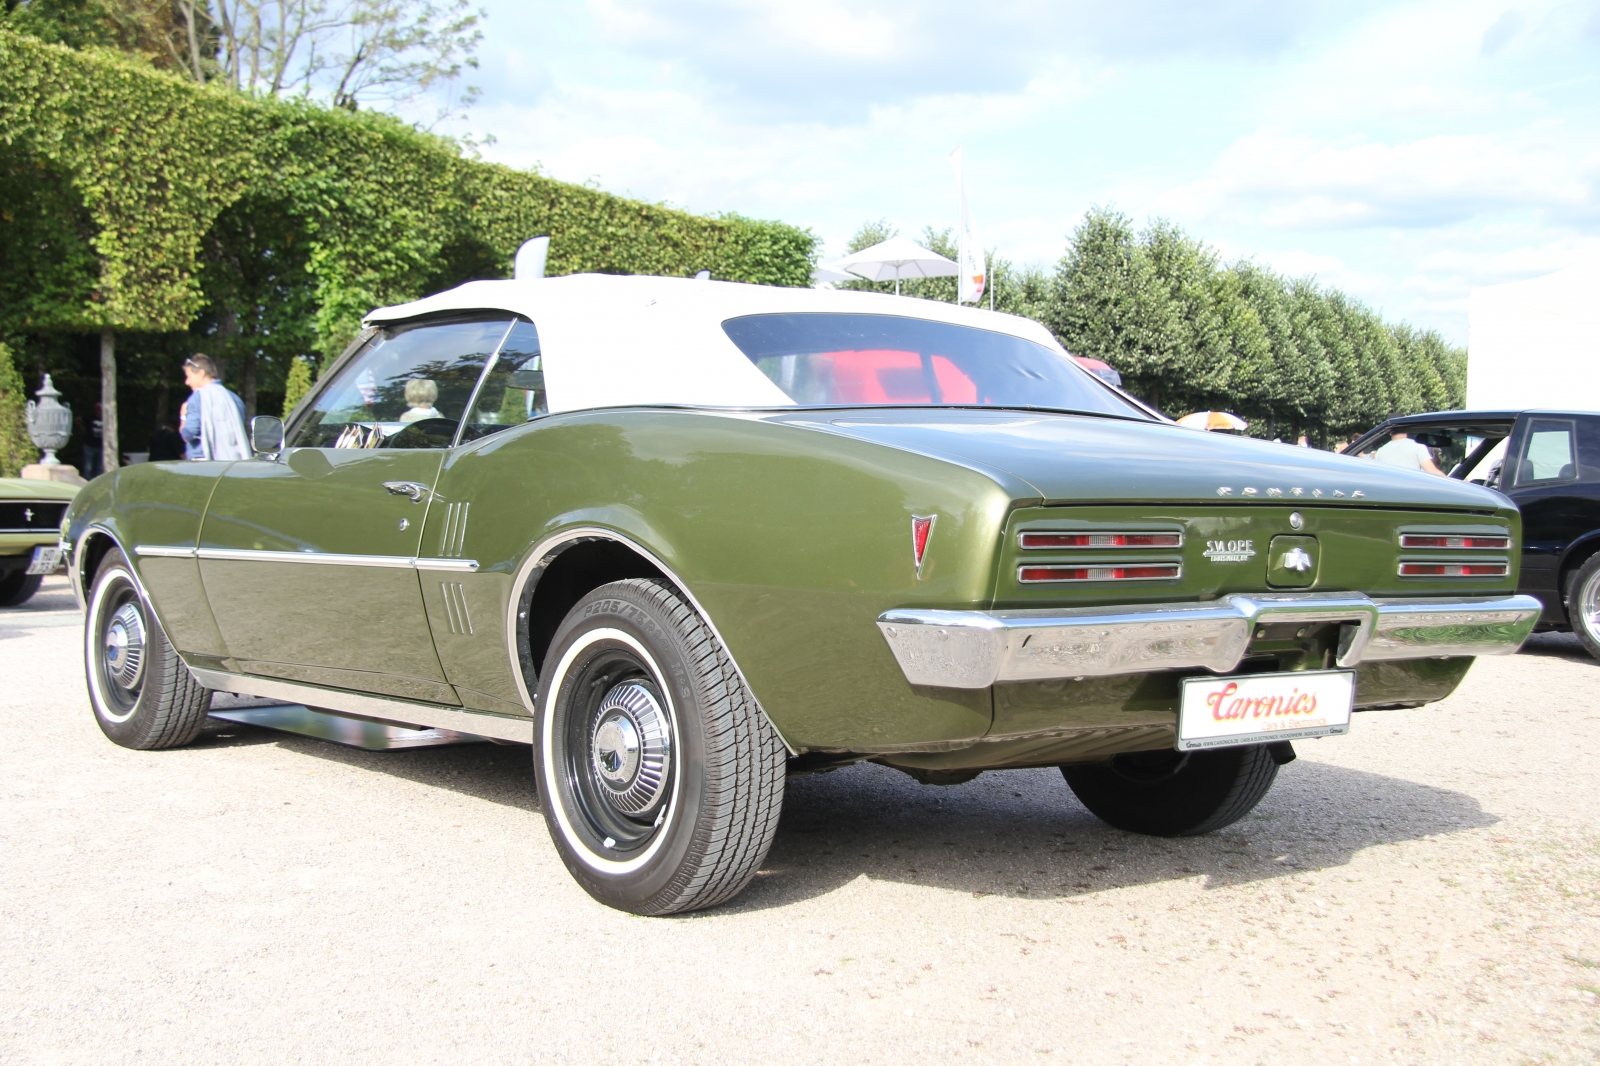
(137, 200)
(16, 449)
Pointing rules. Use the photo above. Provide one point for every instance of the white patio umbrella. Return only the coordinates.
(832, 272)
(897, 258)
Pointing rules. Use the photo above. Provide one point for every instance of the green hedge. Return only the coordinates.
(1189, 333)
(135, 200)
(16, 450)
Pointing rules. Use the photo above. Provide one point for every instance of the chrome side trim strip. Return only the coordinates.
(401, 712)
(397, 562)
(163, 551)
(976, 649)
(241, 555)
(459, 566)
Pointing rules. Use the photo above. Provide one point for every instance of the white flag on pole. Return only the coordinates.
(973, 274)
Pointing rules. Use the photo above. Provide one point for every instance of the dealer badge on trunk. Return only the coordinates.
(1230, 551)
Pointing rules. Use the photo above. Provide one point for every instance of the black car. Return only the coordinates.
(1552, 475)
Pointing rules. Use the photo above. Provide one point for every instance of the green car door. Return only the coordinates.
(310, 561)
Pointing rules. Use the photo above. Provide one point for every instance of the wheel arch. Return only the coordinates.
(559, 571)
(93, 544)
(1577, 553)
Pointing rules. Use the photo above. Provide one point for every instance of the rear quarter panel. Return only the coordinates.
(794, 541)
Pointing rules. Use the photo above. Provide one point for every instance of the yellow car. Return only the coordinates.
(30, 534)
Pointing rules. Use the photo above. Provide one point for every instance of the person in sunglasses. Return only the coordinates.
(213, 415)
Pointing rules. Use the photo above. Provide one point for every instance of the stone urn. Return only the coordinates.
(49, 423)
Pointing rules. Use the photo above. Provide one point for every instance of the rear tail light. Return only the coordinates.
(1454, 569)
(1037, 541)
(1033, 575)
(1453, 541)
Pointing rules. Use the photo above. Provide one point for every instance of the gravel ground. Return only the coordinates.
(1424, 890)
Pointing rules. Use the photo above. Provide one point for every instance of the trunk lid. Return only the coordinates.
(1079, 459)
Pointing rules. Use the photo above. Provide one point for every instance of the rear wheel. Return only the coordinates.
(660, 778)
(1176, 793)
(1583, 604)
(18, 587)
(143, 695)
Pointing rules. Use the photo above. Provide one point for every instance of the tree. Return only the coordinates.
(869, 234)
(142, 27)
(1113, 300)
(1188, 333)
(1261, 378)
(349, 52)
(296, 385)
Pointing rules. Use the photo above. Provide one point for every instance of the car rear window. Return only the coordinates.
(1548, 454)
(845, 360)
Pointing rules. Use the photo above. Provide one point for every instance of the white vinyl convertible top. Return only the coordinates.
(613, 340)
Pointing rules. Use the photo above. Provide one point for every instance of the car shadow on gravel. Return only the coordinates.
(1023, 834)
(498, 773)
(1015, 833)
(1558, 646)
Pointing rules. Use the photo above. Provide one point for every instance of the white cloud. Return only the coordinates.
(1296, 181)
(1402, 149)
(840, 57)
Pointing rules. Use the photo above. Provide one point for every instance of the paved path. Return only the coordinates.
(1424, 890)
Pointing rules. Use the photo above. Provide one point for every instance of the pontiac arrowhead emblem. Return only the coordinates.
(1298, 560)
(921, 530)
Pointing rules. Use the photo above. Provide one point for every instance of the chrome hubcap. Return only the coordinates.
(1589, 605)
(630, 748)
(124, 647)
(611, 730)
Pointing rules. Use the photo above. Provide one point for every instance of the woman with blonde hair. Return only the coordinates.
(421, 393)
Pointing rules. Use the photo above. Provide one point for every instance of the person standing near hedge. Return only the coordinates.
(212, 416)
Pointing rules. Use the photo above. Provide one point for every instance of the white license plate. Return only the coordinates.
(45, 561)
(1224, 712)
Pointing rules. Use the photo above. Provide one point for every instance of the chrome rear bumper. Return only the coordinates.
(976, 649)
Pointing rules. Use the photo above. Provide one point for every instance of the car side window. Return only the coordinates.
(406, 388)
(513, 390)
(1483, 463)
(1548, 453)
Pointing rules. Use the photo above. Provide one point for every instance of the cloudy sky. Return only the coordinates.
(1404, 151)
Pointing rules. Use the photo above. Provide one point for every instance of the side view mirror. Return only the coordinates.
(266, 436)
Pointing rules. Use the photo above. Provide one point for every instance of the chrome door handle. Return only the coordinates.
(414, 489)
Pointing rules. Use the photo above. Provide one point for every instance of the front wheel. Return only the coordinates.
(660, 778)
(1177, 793)
(143, 695)
(1583, 604)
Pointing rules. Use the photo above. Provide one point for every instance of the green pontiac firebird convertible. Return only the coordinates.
(686, 537)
